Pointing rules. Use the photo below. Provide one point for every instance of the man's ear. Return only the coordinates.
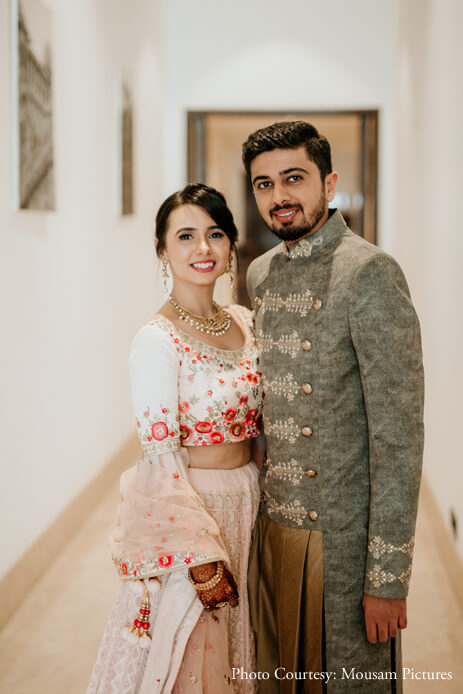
(330, 185)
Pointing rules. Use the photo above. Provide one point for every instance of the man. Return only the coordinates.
(341, 357)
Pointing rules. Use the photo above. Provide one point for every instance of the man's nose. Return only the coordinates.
(280, 194)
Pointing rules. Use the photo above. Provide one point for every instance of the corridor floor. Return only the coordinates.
(49, 645)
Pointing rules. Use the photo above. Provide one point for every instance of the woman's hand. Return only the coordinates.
(224, 591)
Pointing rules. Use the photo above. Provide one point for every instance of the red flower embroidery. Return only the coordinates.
(175, 476)
(203, 427)
(187, 560)
(237, 431)
(230, 414)
(185, 433)
(215, 437)
(124, 568)
(244, 400)
(221, 381)
(159, 431)
(252, 378)
(184, 406)
(165, 561)
(251, 417)
(209, 392)
(171, 518)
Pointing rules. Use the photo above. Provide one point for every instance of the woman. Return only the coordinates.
(188, 508)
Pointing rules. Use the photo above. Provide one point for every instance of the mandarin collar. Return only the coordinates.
(322, 239)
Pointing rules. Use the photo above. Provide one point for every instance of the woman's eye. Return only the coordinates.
(184, 237)
(216, 235)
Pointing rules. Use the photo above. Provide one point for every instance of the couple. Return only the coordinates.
(334, 341)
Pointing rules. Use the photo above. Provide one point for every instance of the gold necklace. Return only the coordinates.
(217, 325)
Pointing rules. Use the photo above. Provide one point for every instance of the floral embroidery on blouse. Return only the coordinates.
(159, 432)
(220, 393)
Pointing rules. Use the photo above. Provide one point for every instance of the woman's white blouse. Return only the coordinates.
(188, 393)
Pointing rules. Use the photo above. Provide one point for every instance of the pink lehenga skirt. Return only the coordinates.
(221, 644)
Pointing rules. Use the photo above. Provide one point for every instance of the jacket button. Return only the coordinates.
(310, 473)
(307, 388)
(313, 515)
(306, 345)
(258, 301)
(317, 304)
(306, 431)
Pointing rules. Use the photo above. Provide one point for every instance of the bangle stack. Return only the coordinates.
(211, 583)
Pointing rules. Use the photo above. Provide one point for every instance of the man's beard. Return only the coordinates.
(289, 232)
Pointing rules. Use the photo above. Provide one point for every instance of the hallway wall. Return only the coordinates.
(429, 240)
(76, 283)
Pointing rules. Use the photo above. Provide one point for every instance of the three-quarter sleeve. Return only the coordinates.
(154, 366)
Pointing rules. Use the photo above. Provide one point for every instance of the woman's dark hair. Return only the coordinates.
(209, 199)
(289, 135)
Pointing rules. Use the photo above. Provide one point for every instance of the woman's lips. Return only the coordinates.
(204, 266)
(286, 215)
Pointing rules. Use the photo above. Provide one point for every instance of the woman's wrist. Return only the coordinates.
(208, 578)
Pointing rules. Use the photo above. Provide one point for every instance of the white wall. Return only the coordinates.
(429, 240)
(75, 284)
(269, 55)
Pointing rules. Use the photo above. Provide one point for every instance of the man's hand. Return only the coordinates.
(383, 616)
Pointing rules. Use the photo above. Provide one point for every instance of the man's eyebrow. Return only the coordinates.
(280, 173)
(293, 168)
(259, 178)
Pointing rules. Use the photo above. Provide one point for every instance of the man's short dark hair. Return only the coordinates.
(289, 135)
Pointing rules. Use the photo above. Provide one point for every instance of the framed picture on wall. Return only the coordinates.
(123, 135)
(32, 99)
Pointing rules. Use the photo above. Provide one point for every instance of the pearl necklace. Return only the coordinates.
(217, 325)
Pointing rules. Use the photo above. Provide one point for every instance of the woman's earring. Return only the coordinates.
(229, 271)
(165, 275)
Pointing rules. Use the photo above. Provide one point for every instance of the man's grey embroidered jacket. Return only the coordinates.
(341, 356)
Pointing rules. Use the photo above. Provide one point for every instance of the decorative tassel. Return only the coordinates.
(138, 632)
